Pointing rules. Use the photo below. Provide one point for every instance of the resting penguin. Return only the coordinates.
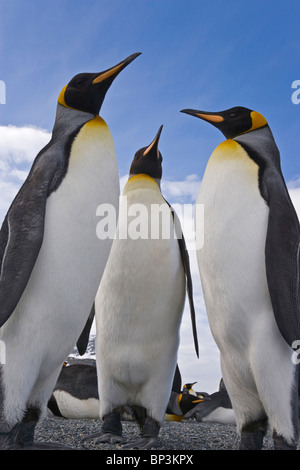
(249, 267)
(188, 388)
(139, 306)
(216, 410)
(51, 258)
(75, 394)
(181, 403)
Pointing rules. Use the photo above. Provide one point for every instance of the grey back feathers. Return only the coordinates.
(67, 125)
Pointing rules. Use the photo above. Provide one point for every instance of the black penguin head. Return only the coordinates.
(148, 160)
(232, 122)
(188, 387)
(86, 91)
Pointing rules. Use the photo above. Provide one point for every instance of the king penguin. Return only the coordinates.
(249, 268)
(182, 403)
(75, 395)
(51, 258)
(139, 306)
(218, 409)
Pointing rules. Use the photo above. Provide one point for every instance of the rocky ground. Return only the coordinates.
(185, 435)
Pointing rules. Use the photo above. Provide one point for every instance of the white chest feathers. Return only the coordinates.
(235, 216)
(75, 408)
(232, 260)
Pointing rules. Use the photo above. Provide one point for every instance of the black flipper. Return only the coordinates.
(84, 337)
(177, 382)
(21, 236)
(282, 257)
(283, 234)
(186, 265)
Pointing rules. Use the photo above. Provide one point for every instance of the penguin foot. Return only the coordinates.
(111, 430)
(140, 443)
(21, 436)
(281, 444)
(252, 435)
(104, 437)
(40, 445)
(6, 443)
(7, 440)
(252, 440)
(149, 435)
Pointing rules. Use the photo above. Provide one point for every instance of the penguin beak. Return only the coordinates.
(154, 143)
(200, 400)
(213, 118)
(114, 71)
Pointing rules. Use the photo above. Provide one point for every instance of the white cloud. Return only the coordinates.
(19, 174)
(181, 191)
(8, 192)
(295, 197)
(19, 146)
(294, 183)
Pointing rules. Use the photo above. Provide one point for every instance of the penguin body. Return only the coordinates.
(75, 395)
(145, 316)
(249, 271)
(139, 307)
(52, 260)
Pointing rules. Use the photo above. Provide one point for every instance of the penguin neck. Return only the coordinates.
(261, 146)
(157, 180)
(260, 131)
(68, 120)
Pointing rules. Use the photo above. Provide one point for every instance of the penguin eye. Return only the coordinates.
(79, 81)
(233, 115)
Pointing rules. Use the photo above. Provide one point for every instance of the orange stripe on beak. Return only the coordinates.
(107, 74)
(210, 117)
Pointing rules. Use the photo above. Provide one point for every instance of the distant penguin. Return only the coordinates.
(249, 267)
(139, 306)
(181, 403)
(51, 259)
(188, 388)
(75, 395)
(218, 409)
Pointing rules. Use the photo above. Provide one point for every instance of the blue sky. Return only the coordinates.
(208, 55)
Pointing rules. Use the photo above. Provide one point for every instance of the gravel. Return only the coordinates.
(185, 435)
